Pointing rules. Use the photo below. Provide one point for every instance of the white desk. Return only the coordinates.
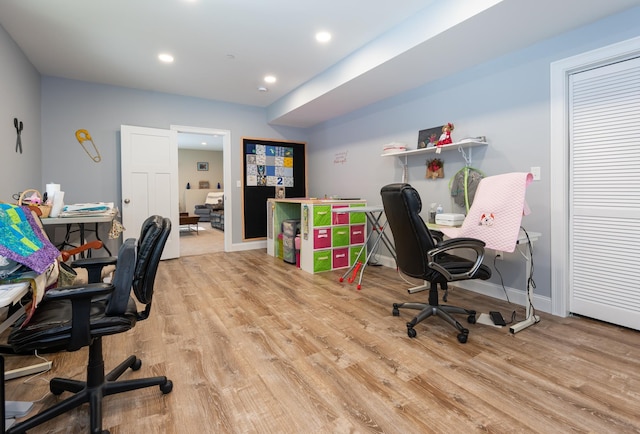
(81, 222)
(522, 240)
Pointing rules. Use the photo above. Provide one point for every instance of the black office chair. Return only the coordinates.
(421, 256)
(75, 317)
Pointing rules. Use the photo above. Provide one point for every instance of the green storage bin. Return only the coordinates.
(321, 215)
(357, 217)
(340, 236)
(353, 255)
(321, 261)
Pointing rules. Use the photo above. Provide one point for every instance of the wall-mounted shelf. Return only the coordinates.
(460, 146)
(456, 145)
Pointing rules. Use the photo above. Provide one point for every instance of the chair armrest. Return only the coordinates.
(467, 244)
(94, 266)
(88, 291)
(80, 297)
(66, 254)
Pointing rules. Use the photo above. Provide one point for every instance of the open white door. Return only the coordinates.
(149, 163)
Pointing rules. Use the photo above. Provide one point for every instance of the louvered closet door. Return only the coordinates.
(604, 225)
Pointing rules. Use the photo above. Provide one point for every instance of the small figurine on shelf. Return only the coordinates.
(445, 137)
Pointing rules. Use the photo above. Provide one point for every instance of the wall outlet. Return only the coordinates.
(535, 171)
(499, 255)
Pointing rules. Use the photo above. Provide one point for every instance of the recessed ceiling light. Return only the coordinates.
(323, 36)
(165, 57)
(270, 79)
(204, 143)
(263, 89)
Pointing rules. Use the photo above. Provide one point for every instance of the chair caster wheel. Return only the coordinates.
(411, 332)
(471, 319)
(137, 364)
(463, 336)
(395, 311)
(166, 387)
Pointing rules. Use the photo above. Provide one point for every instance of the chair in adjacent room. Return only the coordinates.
(75, 317)
(420, 255)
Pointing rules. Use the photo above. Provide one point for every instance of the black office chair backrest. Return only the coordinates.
(412, 239)
(153, 237)
(122, 279)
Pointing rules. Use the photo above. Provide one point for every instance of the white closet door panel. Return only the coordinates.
(605, 193)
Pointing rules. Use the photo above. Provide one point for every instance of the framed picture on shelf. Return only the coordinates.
(203, 166)
(429, 137)
(204, 184)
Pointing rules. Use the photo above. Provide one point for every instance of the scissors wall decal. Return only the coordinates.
(19, 128)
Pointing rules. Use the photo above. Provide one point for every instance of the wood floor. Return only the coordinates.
(254, 345)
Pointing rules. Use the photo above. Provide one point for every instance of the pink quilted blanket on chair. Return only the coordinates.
(496, 212)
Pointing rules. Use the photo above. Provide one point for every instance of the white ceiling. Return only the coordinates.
(200, 142)
(224, 48)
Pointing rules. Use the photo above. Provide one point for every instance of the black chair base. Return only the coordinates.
(433, 308)
(97, 386)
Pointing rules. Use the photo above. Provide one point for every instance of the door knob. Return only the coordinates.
(127, 201)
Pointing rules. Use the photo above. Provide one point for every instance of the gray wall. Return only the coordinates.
(506, 100)
(68, 105)
(19, 98)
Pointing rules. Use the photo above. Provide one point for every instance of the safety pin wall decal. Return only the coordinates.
(84, 136)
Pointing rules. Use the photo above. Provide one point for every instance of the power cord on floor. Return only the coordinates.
(27, 380)
(530, 282)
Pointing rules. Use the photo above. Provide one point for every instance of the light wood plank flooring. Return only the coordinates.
(254, 345)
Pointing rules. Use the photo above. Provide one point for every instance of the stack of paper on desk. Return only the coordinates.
(87, 209)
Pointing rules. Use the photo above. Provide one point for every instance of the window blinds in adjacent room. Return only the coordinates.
(604, 218)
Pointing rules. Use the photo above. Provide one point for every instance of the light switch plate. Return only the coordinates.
(535, 171)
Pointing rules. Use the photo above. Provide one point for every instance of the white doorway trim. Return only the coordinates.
(559, 164)
(226, 169)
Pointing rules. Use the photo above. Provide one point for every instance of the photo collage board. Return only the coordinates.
(269, 165)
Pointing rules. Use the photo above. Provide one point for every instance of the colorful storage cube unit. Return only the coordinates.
(329, 234)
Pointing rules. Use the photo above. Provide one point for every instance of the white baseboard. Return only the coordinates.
(251, 245)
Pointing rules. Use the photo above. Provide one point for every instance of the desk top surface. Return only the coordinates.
(101, 218)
